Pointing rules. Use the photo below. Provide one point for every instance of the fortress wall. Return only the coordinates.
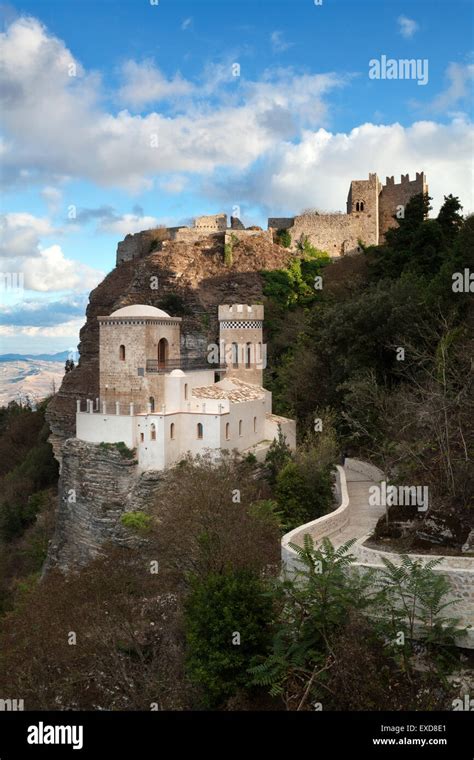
(394, 195)
(245, 234)
(280, 222)
(337, 234)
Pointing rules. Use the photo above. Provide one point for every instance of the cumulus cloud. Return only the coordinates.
(65, 330)
(407, 27)
(316, 172)
(44, 269)
(76, 137)
(144, 84)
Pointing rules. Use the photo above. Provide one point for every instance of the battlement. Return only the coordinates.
(405, 180)
(213, 223)
(240, 312)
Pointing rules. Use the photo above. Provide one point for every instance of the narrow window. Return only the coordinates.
(153, 433)
(122, 353)
(362, 205)
(227, 431)
(172, 430)
(235, 355)
(185, 391)
(248, 355)
(240, 427)
(254, 424)
(199, 430)
(151, 401)
(142, 437)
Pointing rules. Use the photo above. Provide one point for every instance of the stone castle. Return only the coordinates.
(372, 208)
(164, 405)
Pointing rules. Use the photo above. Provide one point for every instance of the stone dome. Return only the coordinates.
(177, 373)
(140, 310)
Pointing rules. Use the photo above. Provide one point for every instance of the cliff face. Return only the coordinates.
(195, 273)
(97, 485)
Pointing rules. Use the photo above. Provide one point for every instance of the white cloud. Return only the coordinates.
(144, 84)
(279, 44)
(20, 233)
(76, 137)
(317, 171)
(128, 224)
(186, 23)
(407, 27)
(459, 78)
(51, 271)
(44, 269)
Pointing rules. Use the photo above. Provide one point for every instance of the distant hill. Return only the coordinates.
(60, 357)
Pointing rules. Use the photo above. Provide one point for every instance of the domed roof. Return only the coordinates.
(139, 310)
(177, 373)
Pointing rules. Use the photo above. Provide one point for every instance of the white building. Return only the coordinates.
(166, 406)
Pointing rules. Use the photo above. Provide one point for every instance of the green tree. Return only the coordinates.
(227, 619)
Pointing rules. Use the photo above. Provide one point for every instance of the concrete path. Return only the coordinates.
(362, 517)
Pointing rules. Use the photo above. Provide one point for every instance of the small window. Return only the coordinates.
(362, 205)
(122, 353)
(142, 437)
(254, 424)
(240, 427)
(199, 431)
(227, 431)
(235, 355)
(151, 401)
(248, 355)
(185, 391)
(357, 206)
(153, 433)
(172, 430)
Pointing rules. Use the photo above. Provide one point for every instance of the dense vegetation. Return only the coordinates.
(386, 352)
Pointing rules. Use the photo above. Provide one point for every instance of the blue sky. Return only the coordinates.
(117, 116)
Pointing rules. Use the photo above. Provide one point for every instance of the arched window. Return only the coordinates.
(240, 427)
(362, 205)
(227, 431)
(162, 353)
(151, 401)
(235, 355)
(357, 206)
(254, 424)
(122, 353)
(248, 356)
(199, 431)
(185, 391)
(172, 430)
(153, 432)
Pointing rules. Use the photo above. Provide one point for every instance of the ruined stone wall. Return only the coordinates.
(337, 234)
(394, 195)
(213, 223)
(141, 244)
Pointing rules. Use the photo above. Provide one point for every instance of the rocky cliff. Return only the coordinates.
(192, 280)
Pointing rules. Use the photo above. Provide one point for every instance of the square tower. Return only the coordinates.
(241, 342)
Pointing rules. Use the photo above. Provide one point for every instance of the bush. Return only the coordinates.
(137, 521)
(227, 618)
(284, 238)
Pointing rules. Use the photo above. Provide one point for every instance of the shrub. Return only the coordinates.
(138, 521)
(227, 619)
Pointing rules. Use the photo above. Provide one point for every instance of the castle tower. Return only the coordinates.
(394, 197)
(363, 203)
(136, 345)
(241, 342)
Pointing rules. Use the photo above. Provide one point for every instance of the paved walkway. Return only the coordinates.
(362, 516)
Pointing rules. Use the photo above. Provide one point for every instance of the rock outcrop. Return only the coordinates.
(186, 279)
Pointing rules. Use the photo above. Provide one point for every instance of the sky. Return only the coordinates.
(119, 115)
